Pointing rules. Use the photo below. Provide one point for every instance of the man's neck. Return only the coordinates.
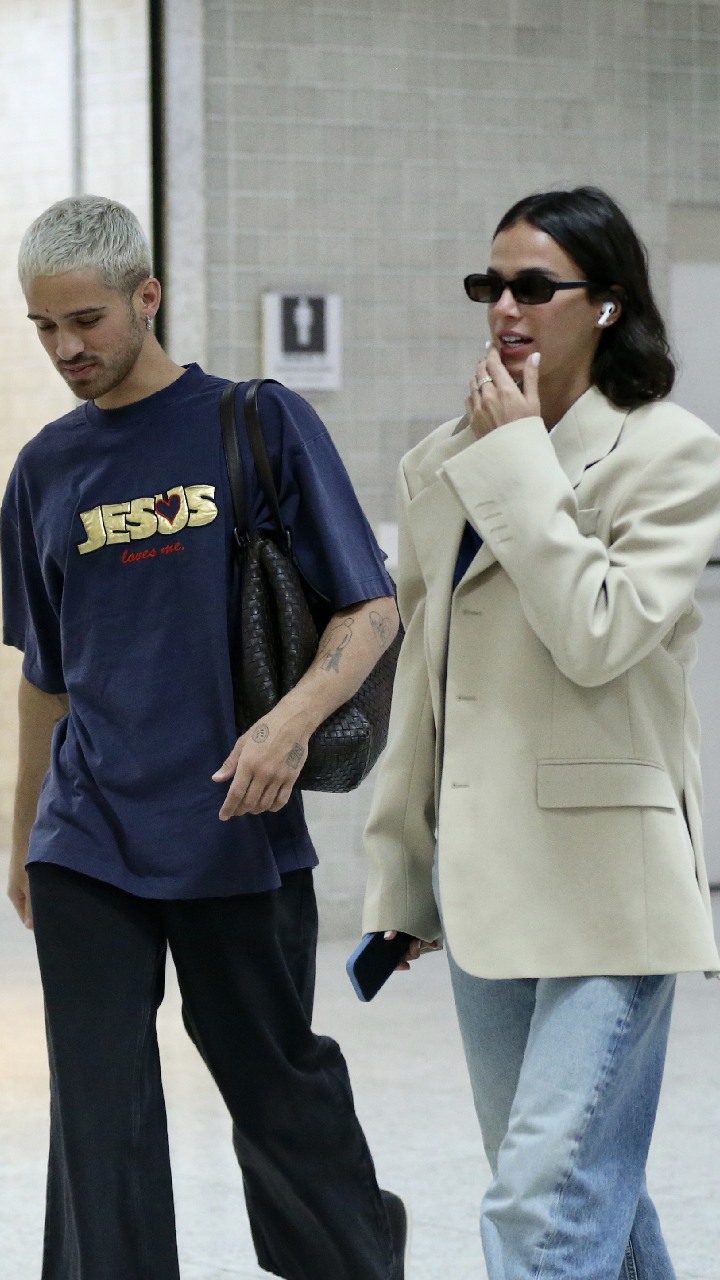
(152, 372)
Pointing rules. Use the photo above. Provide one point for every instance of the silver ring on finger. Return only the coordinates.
(483, 380)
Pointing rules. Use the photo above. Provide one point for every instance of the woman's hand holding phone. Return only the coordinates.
(378, 955)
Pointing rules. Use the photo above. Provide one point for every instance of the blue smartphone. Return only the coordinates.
(373, 960)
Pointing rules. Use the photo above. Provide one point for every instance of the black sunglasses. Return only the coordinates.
(530, 287)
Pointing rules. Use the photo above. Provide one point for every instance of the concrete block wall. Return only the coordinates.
(368, 147)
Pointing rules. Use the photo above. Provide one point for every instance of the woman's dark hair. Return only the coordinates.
(632, 364)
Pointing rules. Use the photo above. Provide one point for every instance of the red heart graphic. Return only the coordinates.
(168, 507)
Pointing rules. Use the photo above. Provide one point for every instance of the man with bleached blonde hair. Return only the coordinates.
(142, 822)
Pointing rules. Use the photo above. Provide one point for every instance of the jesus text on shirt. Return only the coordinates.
(167, 513)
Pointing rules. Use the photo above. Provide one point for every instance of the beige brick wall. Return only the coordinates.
(369, 146)
(37, 146)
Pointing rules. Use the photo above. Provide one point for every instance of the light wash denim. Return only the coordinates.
(566, 1075)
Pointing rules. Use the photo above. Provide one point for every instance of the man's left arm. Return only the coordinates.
(265, 762)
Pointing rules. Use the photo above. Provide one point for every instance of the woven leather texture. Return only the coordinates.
(278, 637)
(281, 621)
(278, 640)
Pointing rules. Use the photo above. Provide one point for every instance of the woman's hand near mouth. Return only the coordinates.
(495, 399)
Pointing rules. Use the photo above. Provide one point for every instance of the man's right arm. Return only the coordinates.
(39, 713)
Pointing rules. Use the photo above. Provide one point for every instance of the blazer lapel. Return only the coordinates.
(436, 519)
(458, 437)
(588, 432)
(437, 523)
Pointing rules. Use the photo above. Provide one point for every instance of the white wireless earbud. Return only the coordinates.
(608, 310)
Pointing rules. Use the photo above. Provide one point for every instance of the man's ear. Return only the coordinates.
(148, 295)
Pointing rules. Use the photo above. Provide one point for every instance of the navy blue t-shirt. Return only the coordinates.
(470, 544)
(119, 584)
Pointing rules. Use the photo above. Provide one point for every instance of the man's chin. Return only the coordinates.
(83, 388)
(81, 393)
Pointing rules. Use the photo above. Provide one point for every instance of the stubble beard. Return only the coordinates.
(108, 373)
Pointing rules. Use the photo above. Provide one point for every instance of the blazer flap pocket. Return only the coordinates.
(591, 784)
(587, 518)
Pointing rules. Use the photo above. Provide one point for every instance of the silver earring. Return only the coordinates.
(148, 323)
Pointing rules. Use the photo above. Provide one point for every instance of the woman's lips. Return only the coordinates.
(514, 352)
(514, 342)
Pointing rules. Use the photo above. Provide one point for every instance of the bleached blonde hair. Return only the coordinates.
(86, 231)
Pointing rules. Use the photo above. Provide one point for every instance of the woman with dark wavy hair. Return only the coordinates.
(539, 799)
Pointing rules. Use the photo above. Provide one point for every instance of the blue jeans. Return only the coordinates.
(566, 1076)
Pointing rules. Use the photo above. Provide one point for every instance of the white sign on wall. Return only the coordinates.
(302, 340)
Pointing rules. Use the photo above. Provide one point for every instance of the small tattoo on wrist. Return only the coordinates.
(294, 755)
(260, 733)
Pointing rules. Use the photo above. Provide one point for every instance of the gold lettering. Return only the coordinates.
(95, 530)
(200, 503)
(165, 513)
(114, 519)
(171, 510)
(142, 521)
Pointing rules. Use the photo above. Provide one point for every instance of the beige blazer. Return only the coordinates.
(542, 726)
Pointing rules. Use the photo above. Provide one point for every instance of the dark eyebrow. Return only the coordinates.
(526, 271)
(71, 315)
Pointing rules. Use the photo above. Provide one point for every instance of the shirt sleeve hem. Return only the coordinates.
(40, 681)
(362, 590)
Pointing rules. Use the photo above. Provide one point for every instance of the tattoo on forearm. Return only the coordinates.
(382, 627)
(331, 648)
(294, 756)
(260, 733)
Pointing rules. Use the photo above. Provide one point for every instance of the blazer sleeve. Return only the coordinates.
(598, 609)
(400, 833)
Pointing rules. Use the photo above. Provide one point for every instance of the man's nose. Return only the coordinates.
(68, 345)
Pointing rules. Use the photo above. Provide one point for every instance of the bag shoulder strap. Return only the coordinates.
(232, 459)
(253, 427)
(254, 431)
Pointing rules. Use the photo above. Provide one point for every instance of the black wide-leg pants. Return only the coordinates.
(110, 1213)
(296, 922)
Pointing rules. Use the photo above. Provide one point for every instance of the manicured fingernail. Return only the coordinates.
(488, 344)
(535, 358)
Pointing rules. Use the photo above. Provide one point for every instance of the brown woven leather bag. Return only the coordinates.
(282, 617)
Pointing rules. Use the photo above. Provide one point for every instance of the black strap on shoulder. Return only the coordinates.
(253, 428)
(232, 458)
